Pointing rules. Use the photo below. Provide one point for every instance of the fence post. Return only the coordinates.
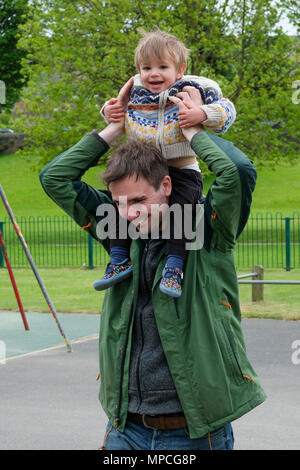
(258, 289)
(288, 243)
(91, 252)
(1, 254)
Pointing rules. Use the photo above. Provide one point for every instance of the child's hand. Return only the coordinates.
(114, 111)
(185, 105)
(193, 114)
(191, 117)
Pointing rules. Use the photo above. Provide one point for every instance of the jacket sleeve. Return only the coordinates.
(220, 111)
(61, 180)
(229, 198)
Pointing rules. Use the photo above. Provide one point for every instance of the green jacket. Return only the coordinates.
(201, 330)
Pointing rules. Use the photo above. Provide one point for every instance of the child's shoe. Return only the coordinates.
(114, 273)
(171, 281)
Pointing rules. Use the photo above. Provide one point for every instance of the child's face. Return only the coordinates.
(158, 75)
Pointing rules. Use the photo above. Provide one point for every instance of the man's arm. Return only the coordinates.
(230, 195)
(61, 179)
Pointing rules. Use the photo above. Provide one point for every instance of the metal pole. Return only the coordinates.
(1, 255)
(288, 243)
(269, 282)
(247, 275)
(32, 264)
(12, 278)
(91, 254)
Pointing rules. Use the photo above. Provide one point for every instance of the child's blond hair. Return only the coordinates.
(159, 44)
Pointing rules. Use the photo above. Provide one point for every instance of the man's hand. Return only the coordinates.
(185, 105)
(115, 128)
(124, 93)
(193, 115)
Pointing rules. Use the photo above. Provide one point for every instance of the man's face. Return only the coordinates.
(139, 202)
(158, 75)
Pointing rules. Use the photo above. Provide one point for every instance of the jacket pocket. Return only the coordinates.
(229, 353)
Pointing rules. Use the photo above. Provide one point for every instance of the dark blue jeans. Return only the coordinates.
(138, 437)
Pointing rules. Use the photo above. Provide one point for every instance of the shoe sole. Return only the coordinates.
(169, 292)
(102, 285)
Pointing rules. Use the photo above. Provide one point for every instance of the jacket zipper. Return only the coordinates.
(233, 352)
(142, 336)
(176, 308)
(122, 354)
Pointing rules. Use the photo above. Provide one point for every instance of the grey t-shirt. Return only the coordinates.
(151, 387)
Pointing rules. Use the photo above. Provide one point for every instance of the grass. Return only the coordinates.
(71, 290)
(76, 294)
(23, 189)
(276, 190)
(280, 301)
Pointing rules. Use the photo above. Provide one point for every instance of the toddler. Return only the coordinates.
(153, 118)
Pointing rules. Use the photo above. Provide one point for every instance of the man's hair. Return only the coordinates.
(160, 44)
(136, 158)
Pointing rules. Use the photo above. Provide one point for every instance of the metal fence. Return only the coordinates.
(271, 240)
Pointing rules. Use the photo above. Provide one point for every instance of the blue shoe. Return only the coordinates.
(114, 273)
(171, 281)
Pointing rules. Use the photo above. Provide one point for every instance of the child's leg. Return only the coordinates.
(119, 267)
(186, 189)
(119, 250)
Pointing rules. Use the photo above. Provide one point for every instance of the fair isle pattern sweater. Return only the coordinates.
(153, 119)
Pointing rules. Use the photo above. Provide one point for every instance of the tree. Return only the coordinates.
(266, 62)
(12, 13)
(80, 53)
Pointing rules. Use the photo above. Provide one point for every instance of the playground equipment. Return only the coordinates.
(33, 266)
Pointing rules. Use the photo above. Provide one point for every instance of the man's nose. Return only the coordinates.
(132, 213)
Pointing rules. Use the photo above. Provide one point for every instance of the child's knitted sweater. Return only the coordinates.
(153, 119)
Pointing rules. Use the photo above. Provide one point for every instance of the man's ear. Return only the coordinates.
(166, 185)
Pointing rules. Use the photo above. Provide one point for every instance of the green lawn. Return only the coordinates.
(276, 190)
(24, 192)
(71, 291)
(280, 301)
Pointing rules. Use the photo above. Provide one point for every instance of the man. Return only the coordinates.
(174, 372)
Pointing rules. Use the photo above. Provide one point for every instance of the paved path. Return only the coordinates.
(49, 399)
